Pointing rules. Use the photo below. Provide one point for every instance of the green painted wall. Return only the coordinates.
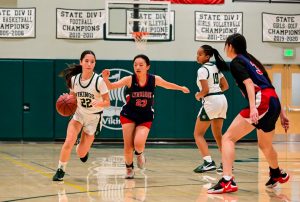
(35, 83)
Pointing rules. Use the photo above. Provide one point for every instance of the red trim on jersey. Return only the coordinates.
(127, 98)
(263, 98)
(125, 120)
(137, 80)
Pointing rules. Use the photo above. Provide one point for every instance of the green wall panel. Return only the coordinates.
(38, 94)
(36, 82)
(186, 106)
(164, 102)
(11, 101)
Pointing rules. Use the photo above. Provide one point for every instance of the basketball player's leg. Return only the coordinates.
(140, 137)
(216, 128)
(86, 141)
(73, 130)
(92, 124)
(265, 140)
(237, 130)
(265, 145)
(199, 132)
(128, 137)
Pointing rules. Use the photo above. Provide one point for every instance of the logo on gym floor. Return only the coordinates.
(111, 115)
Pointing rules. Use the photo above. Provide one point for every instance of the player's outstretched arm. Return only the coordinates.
(125, 81)
(168, 85)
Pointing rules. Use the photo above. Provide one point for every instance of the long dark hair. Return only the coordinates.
(238, 42)
(220, 63)
(74, 69)
(144, 57)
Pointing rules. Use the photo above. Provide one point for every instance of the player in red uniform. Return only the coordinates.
(137, 114)
(262, 113)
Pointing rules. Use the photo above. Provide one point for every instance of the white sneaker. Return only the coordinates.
(129, 173)
(140, 161)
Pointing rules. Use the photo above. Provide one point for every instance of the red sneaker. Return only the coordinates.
(223, 186)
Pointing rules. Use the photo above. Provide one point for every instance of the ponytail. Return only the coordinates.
(220, 63)
(67, 73)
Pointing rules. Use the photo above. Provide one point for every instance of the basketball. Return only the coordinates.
(66, 105)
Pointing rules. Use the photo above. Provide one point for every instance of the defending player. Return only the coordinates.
(262, 113)
(137, 114)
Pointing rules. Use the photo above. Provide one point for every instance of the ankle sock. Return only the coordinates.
(137, 153)
(227, 177)
(62, 165)
(129, 166)
(207, 158)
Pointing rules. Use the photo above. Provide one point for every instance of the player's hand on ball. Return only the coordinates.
(185, 89)
(105, 74)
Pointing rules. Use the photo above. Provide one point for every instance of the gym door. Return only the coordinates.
(286, 79)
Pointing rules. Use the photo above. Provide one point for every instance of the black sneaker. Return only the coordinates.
(85, 158)
(273, 181)
(59, 175)
(206, 166)
(223, 186)
(220, 168)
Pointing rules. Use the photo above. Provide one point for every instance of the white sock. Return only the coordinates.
(62, 165)
(227, 177)
(207, 158)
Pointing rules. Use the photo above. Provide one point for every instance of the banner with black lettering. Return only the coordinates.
(217, 26)
(79, 24)
(17, 22)
(153, 22)
(281, 28)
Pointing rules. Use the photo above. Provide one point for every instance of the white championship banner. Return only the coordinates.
(17, 22)
(79, 24)
(217, 26)
(281, 28)
(152, 22)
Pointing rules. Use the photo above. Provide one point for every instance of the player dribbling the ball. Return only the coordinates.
(92, 97)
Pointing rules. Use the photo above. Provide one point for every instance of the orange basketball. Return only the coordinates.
(66, 105)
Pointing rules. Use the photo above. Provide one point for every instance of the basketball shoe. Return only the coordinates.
(129, 173)
(140, 161)
(85, 158)
(220, 169)
(273, 181)
(206, 166)
(59, 175)
(223, 186)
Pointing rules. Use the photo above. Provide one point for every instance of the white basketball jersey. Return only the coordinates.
(88, 90)
(211, 73)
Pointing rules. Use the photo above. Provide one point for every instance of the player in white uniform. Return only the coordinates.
(212, 84)
(92, 96)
